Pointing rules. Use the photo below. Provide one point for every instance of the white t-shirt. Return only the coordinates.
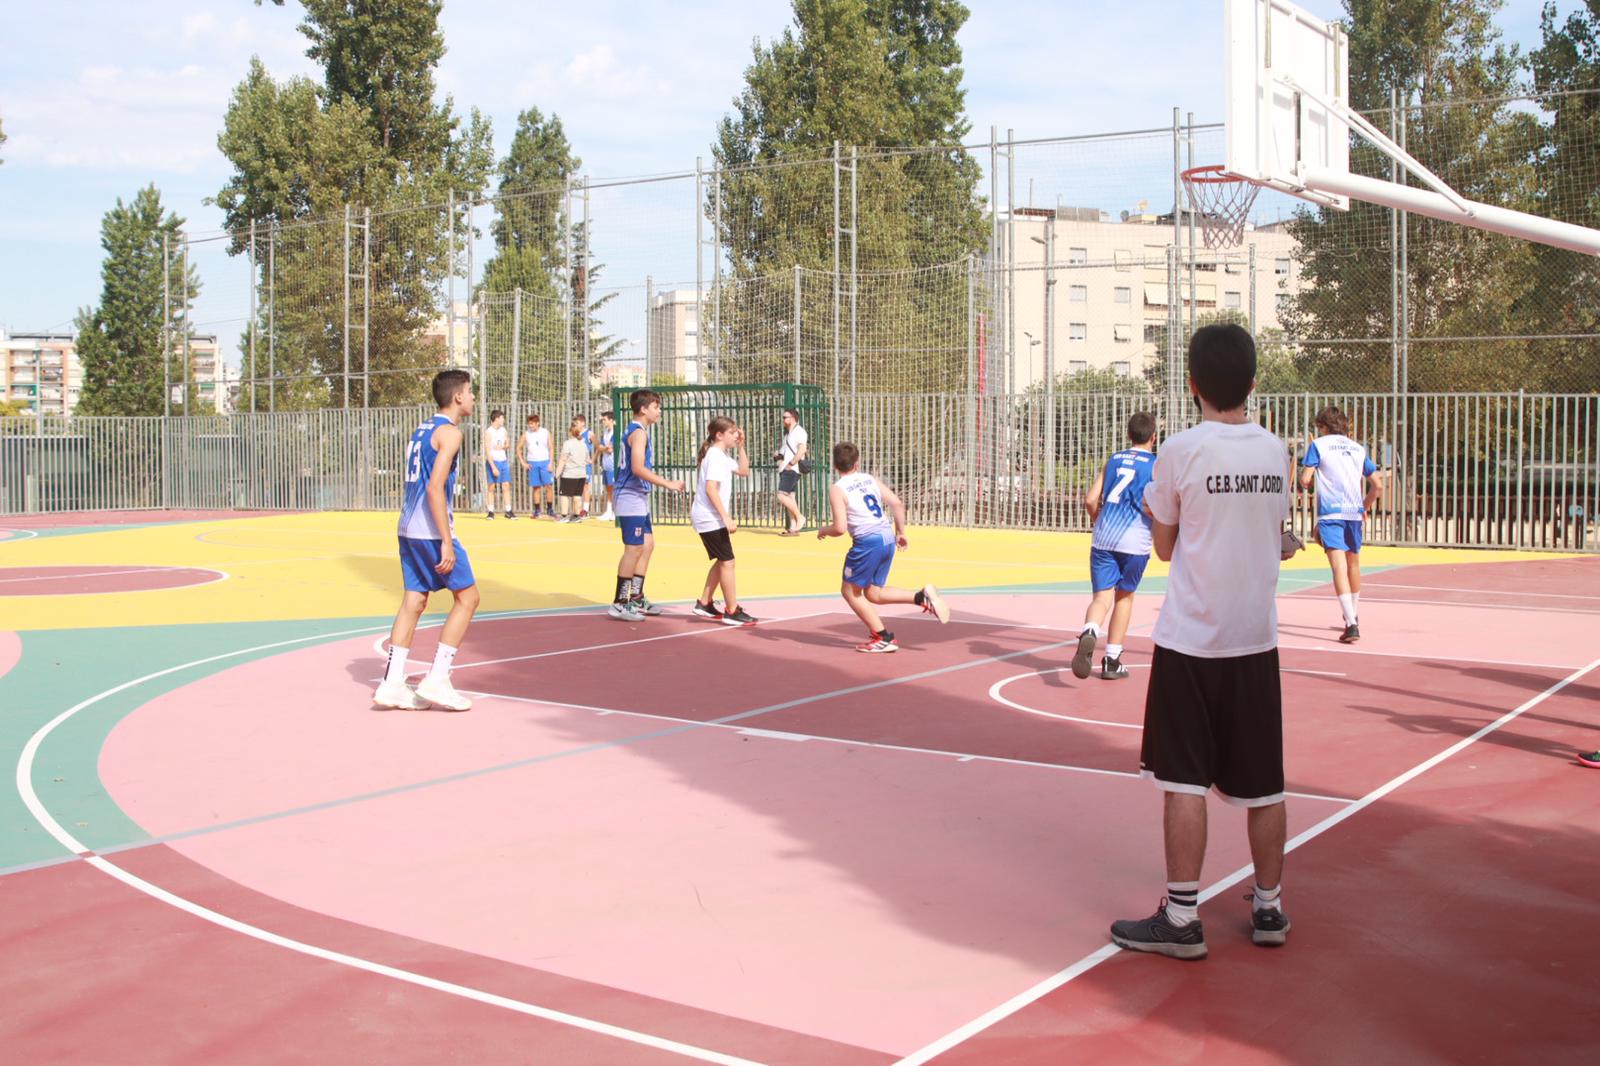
(791, 446)
(536, 445)
(718, 466)
(1342, 468)
(498, 439)
(865, 513)
(1226, 487)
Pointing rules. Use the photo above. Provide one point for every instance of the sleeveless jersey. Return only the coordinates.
(632, 496)
(1342, 466)
(607, 439)
(1121, 525)
(416, 518)
(498, 439)
(865, 514)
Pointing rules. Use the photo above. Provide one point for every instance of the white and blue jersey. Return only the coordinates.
(1342, 468)
(632, 497)
(1122, 525)
(872, 541)
(588, 449)
(419, 538)
(608, 441)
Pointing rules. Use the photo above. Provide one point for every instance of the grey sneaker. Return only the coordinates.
(1083, 661)
(624, 612)
(1156, 934)
(738, 617)
(1269, 926)
(644, 606)
(1112, 669)
(1351, 634)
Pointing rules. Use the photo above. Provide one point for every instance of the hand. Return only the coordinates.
(822, 534)
(675, 486)
(733, 527)
(900, 541)
(447, 558)
(1289, 545)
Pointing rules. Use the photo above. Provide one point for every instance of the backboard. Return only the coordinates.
(1282, 63)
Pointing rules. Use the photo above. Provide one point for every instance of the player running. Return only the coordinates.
(1348, 484)
(1120, 548)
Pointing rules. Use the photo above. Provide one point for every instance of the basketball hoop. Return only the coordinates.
(1222, 200)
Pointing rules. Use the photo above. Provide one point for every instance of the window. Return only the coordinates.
(1155, 333)
(1155, 296)
(1206, 266)
(1231, 299)
(1231, 267)
(1280, 267)
(1124, 295)
(1122, 368)
(1122, 258)
(1205, 295)
(1285, 301)
(1077, 366)
(1077, 256)
(1077, 331)
(1122, 333)
(1078, 294)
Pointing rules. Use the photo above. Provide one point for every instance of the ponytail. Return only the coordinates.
(719, 424)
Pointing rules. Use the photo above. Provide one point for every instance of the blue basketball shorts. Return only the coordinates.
(1115, 570)
(419, 557)
(498, 471)
(1340, 534)
(867, 564)
(634, 528)
(539, 475)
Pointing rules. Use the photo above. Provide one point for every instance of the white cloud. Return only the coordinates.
(195, 25)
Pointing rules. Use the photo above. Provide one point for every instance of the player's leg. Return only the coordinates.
(1104, 573)
(1094, 616)
(856, 597)
(393, 691)
(730, 591)
(436, 687)
(1352, 564)
(706, 605)
(1111, 668)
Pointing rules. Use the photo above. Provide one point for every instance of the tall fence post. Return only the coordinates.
(253, 287)
(855, 245)
(166, 328)
(516, 348)
(716, 275)
(797, 323)
(1011, 268)
(650, 356)
(188, 332)
(1522, 438)
(836, 378)
(450, 275)
(1050, 352)
(366, 309)
(569, 296)
(346, 331)
(582, 309)
(969, 515)
(272, 318)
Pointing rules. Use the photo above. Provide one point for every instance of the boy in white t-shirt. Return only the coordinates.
(714, 522)
(534, 457)
(1348, 484)
(858, 500)
(1213, 717)
(497, 464)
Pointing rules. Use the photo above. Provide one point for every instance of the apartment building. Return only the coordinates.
(41, 371)
(674, 336)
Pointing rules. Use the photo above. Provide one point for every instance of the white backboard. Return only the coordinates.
(1275, 132)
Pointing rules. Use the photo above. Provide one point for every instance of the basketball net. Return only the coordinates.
(1222, 201)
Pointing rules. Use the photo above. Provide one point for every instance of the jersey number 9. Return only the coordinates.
(872, 504)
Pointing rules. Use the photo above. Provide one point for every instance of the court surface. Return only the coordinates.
(675, 841)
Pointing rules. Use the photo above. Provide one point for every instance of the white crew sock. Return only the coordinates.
(1266, 899)
(1347, 604)
(1092, 627)
(396, 672)
(1183, 901)
(443, 659)
(1113, 651)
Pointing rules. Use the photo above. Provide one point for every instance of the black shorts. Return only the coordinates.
(788, 481)
(571, 486)
(1215, 723)
(719, 545)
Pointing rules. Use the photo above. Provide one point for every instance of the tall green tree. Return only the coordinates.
(883, 76)
(370, 136)
(120, 340)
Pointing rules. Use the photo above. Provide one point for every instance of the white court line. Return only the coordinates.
(1095, 958)
(24, 780)
(222, 575)
(1485, 606)
(1374, 583)
(101, 573)
(23, 534)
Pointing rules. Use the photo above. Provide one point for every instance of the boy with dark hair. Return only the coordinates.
(496, 464)
(1348, 484)
(430, 557)
(635, 476)
(789, 456)
(858, 500)
(607, 449)
(1213, 715)
(535, 455)
(1119, 549)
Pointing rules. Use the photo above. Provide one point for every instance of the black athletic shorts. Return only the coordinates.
(1215, 723)
(571, 486)
(719, 545)
(788, 481)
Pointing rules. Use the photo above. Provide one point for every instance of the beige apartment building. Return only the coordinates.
(41, 371)
(1111, 294)
(673, 344)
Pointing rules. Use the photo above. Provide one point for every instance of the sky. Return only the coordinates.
(101, 98)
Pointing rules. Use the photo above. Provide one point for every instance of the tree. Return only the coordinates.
(12, 408)
(882, 75)
(369, 136)
(120, 341)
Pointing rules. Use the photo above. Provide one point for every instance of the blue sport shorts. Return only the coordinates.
(1115, 570)
(499, 472)
(1340, 534)
(539, 475)
(867, 564)
(419, 557)
(634, 528)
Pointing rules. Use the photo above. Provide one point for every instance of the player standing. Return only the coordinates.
(1119, 549)
(712, 519)
(496, 463)
(1348, 484)
(635, 476)
(535, 458)
(430, 557)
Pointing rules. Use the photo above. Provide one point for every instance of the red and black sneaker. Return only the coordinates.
(706, 610)
(738, 617)
(880, 644)
(1591, 759)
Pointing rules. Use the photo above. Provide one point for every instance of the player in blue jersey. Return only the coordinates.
(1119, 549)
(1348, 484)
(635, 475)
(430, 557)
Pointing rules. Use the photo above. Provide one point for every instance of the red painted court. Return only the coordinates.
(675, 840)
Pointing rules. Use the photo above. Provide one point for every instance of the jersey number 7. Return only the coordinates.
(1125, 477)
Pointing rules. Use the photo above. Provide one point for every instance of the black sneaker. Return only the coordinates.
(738, 617)
(1351, 634)
(1112, 669)
(511, 515)
(489, 515)
(1083, 661)
(1158, 935)
(705, 610)
(1269, 926)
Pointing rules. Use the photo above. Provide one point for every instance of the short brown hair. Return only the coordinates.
(1141, 428)
(642, 398)
(845, 456)
(1222, 364)
(1334, 420)
(447, 383)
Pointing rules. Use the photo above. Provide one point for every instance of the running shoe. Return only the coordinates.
(1083, 660)
(934, 603)
(396, 696)
(879, 645)
(1158, 935)
(1590, 759)
(489, 515)
(510, 515)
(1269, 926)
(442, 694)
(1351, 634)
(624, 612)
(738, 617)
(706, 610)
(1112, 669)
(645, 607)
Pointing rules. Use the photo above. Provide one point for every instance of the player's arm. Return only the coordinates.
(838, 506)
(1163, 538)
(522, 450)
(486, 450)
(898, 510)
(1091, 499)
(1374, 478)
(714, 495)
(743, 469)
(447, 441)
(1162, 503)
(636, 444)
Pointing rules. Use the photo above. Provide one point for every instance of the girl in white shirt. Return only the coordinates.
(712, 519)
